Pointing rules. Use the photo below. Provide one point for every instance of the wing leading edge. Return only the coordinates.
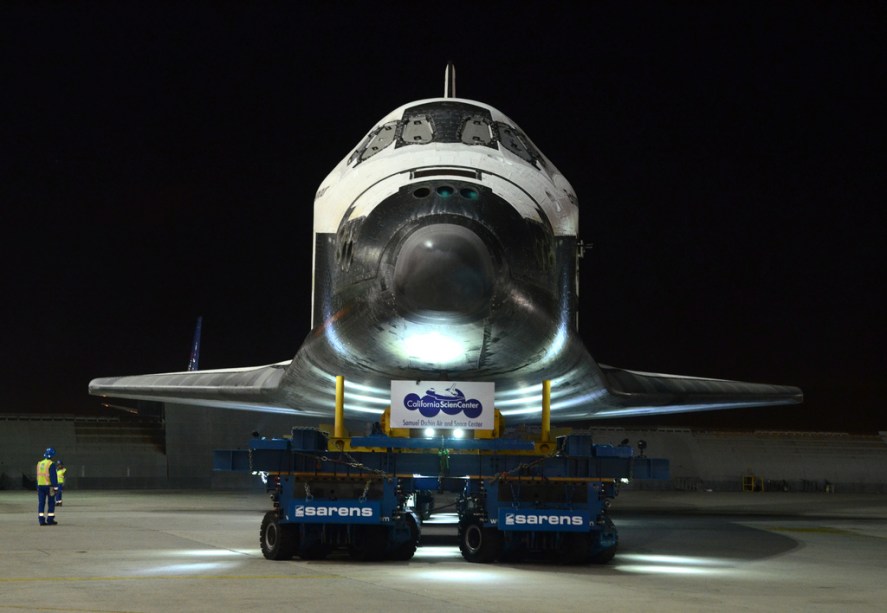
(251, 388)
(621, 393)
(639, 393)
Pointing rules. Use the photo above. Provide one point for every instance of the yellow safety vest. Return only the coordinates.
(43, 472)
(60, 473)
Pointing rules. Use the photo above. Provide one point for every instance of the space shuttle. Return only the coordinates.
(446, 248)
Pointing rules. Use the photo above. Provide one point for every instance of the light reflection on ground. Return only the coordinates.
(437, 552)
(670, 565)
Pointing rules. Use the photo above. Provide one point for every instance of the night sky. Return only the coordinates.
(159, 162)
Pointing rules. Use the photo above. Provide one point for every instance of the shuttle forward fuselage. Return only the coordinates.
(445, 248)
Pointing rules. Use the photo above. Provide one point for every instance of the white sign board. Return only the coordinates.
(442, 404)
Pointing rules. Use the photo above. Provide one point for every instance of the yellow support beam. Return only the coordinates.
(545, 436)
(339, 425)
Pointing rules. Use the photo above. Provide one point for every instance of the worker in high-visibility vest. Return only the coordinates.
(47, 482)
(60, 471)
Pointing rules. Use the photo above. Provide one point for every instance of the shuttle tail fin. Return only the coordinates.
(193, 361)
(450, 81)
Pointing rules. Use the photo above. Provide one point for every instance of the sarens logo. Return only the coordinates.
(332, 511)
(551, 520)
(533, 519)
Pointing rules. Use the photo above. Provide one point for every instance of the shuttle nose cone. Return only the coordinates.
(444, 271)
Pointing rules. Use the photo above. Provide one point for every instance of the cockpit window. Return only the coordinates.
(377, 140)
(448, 121)
(417, 130)
(512, 140)
(476, 130)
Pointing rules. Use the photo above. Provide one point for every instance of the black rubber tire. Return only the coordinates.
(368, 543)
(318, 551)
(311, 547)
(479, 544)
(278, 541)
(574, 548)
(602, 557)
(405, 551)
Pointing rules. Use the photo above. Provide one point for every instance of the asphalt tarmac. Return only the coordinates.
(133, 551)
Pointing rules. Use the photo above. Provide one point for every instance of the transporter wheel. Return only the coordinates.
(278, 541)
(604, 546)
(317, 551)
(405, 551)
(574, 548)
(603, 556)
(311, 544)
(368, 542)
(479, 544)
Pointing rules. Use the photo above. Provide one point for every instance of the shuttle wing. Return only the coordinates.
(620, 393)
(640, 393)
(252, 388)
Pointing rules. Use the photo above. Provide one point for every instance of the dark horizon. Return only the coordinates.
(162, 164)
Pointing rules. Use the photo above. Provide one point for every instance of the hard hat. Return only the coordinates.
(49, 453)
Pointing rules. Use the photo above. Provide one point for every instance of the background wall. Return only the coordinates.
(175, 452)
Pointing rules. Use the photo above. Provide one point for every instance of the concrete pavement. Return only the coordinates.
(131, 551)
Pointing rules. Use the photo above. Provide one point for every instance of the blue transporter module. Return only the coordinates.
(369, 495)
